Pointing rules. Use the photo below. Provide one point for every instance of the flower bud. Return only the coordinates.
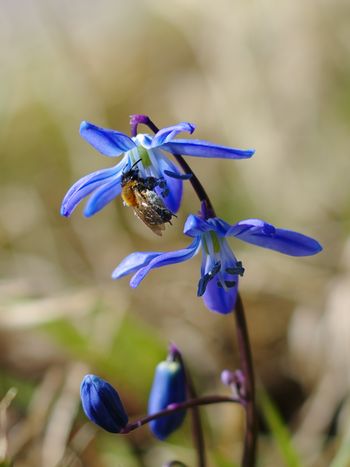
(228, 377)
(169, 387)
(102, 404)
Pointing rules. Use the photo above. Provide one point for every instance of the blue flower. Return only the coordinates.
(105, 185)
(169, 387)
(102, 404)
(220, 269)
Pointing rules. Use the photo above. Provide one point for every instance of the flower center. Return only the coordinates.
(219, 262)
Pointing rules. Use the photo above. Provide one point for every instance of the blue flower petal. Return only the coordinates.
(266, 235)
(164, 259)
(133, 263)
(85, 186)
(195, 225)
(102, 196)
(199, 148)
(174, 185)
(218, 299)
(220, 226)
(102, 404)
(108, 142)
(221, 290)
(144, 140)
(167, 134)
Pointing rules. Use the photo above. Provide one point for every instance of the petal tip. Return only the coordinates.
(318, 248)
(191, 127)
(65, 209)
(134, 283)
(115, 274)
(84, 126)
(64, 212)
(248, 153)
(89, 211)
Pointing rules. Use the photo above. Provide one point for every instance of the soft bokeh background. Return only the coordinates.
(270, 75)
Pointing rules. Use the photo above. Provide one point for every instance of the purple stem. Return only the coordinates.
(175, 408)
(197, 429)
(246, 364)
(136, 120)
(245, 355)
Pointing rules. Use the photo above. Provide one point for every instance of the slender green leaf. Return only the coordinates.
(342, 457)
(279, 431)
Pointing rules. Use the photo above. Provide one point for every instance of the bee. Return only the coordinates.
(138, 193)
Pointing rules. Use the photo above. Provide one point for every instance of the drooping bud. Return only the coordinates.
(236, 380)
(102, 404)
(227, 377)
(169, 387)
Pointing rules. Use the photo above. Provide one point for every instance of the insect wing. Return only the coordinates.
(146, 209)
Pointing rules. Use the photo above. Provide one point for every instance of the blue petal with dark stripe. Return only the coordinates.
(260, 233)
(108, 142)
(165, 135)
(164, 259)
(199, 148)
(87, 185)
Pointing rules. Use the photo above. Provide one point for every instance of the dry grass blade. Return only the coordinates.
(4, 405)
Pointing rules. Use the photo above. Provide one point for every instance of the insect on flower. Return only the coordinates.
(139, 193)
(102, 186)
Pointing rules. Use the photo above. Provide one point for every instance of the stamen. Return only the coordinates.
(171, 174)
(203, 282)
(238, 269)
(161, 183)
(149, 183)
(230, 284)
(216, 269)
(202, 285)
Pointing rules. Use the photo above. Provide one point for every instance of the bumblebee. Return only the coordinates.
(138, 193)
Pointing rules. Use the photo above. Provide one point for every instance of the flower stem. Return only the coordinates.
(136, 120)
(246, 364)
(176, 407)
(245, 355)
(197, 428)
(196, 184)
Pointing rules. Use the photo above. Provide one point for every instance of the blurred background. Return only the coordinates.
(274, 76)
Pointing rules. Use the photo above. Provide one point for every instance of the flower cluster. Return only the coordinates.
(152, 184)
(220, 270)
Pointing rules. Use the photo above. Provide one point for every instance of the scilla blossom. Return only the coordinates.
(105, 185)
(218, 284)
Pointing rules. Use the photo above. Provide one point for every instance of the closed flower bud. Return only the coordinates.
(169, 387)
(102, 404)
